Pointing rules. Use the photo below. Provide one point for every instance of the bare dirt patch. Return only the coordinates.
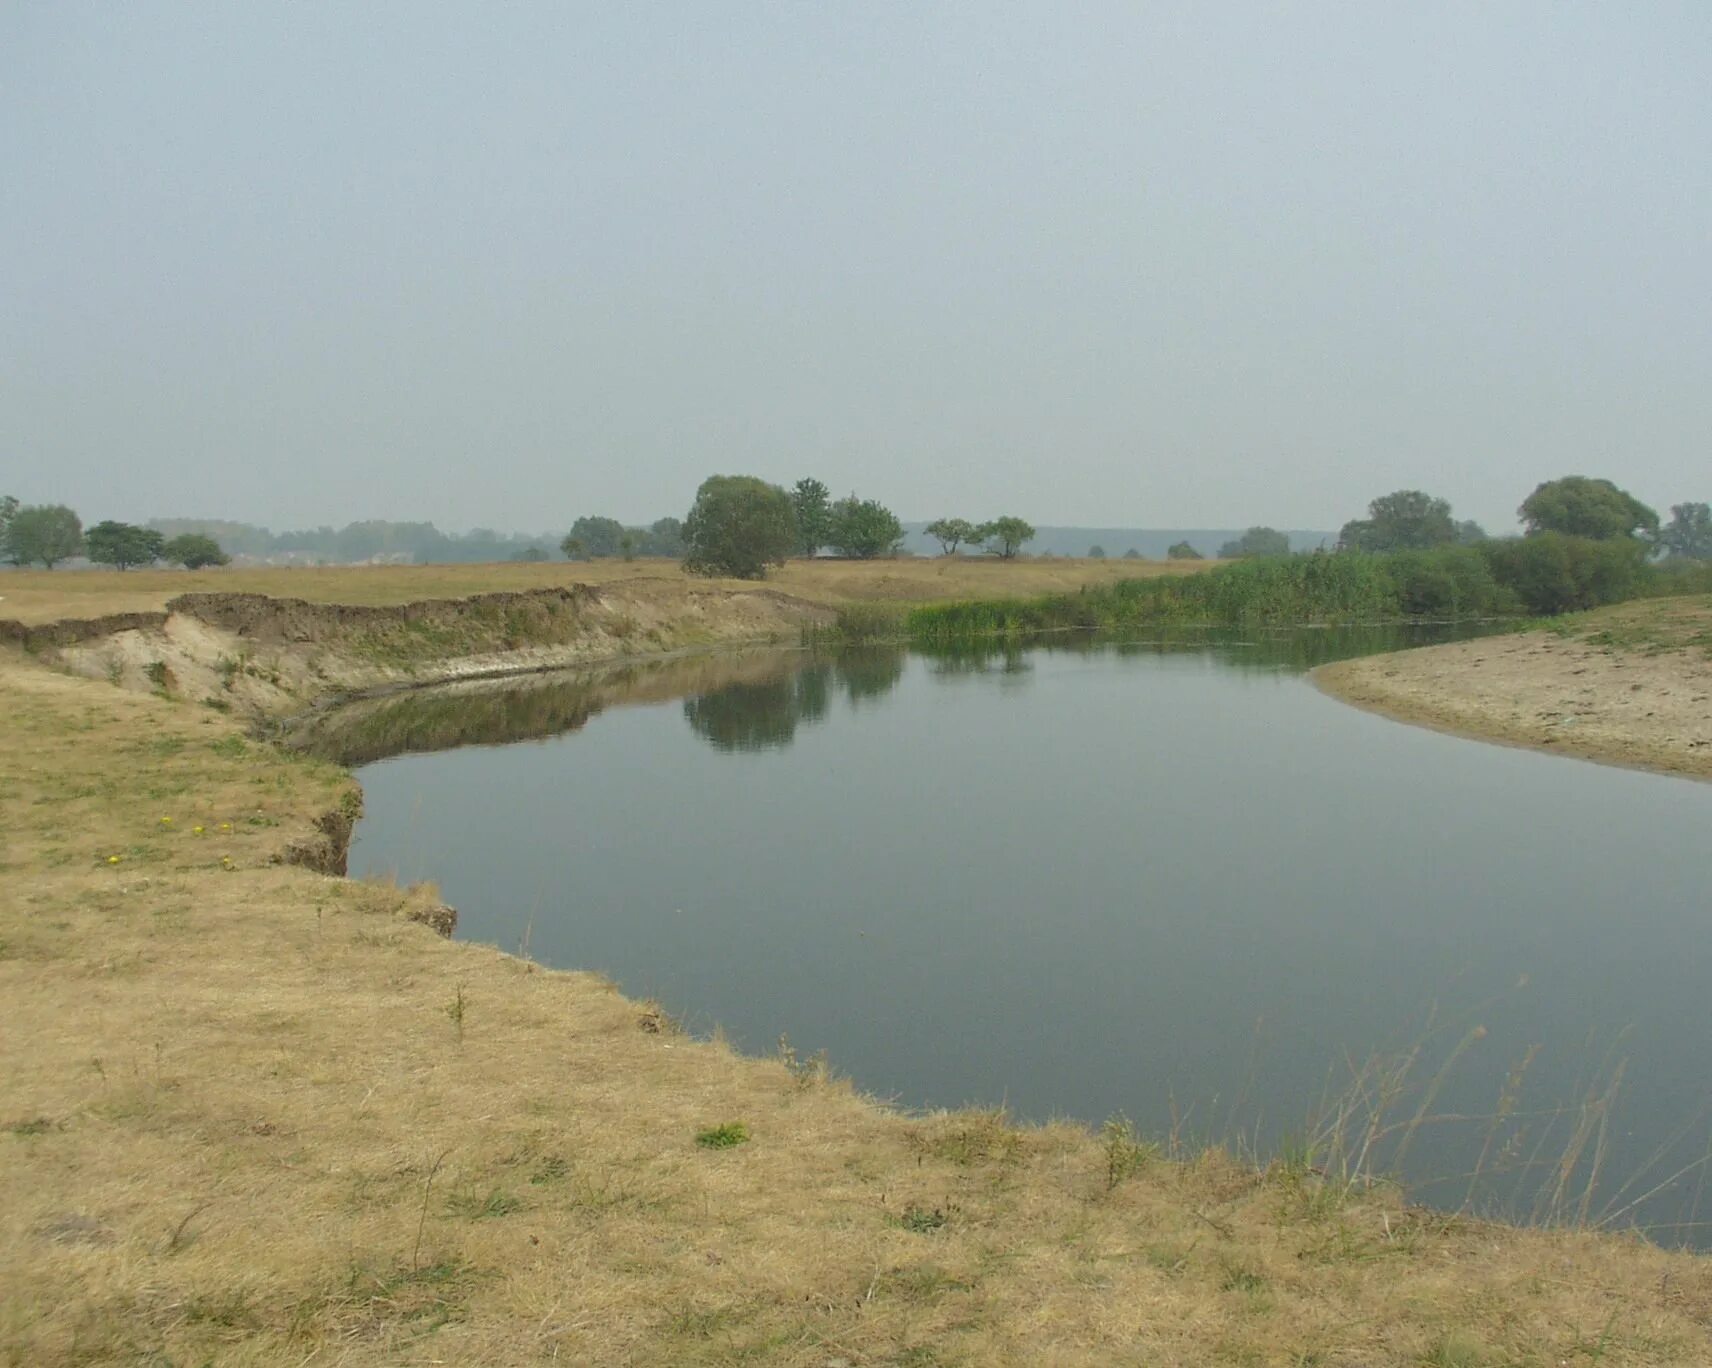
(1630, 685)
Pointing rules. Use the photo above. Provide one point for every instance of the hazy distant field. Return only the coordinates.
(46, 596)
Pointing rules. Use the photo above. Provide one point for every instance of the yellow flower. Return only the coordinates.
(112, 859)
(166, 821)
(197, 831)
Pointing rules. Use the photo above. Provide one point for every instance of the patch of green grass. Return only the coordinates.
(726, 1136)
(1126, 1154)
(923, 1220)
(476, 1206)
(1455, 1351)
(1237, 1278)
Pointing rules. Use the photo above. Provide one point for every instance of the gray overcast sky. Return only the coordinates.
(1192, 264)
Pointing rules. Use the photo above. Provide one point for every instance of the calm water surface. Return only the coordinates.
(1172, 881)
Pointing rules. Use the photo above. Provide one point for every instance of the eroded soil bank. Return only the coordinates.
(268, 657)
(1630, 685)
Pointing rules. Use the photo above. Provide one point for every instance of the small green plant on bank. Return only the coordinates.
(817, 1068)
(455, 1010)
(727, 1136)
(1126, 1154)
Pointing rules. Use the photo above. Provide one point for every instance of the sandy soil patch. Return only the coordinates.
(1626, 686)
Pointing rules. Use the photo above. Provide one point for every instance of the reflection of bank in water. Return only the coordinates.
(520, 708)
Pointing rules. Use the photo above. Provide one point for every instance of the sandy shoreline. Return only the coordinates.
(1583, 696)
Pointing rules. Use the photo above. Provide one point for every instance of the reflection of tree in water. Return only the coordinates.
(754, 717)
(1266, 650)
(869, 673)
(980, 656)
(745, 717)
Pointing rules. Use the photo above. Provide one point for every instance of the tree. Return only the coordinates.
(1405, 521)
(1469, 533)
(8, 511)
(665, 537)
(811, 501)
(1182, 551)
(1096, 552)
(192, 550)
(1005, 537)
(1552, 573)
(48, 533)
(951, 533)
(1133, 554)
(1688, 534)
(1257, 541)
(864, 528)
(594, 539)
(122, 545)
(739, 526)
(529, 555)
(1581, 507)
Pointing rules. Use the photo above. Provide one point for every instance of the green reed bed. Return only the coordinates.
(1531, 576)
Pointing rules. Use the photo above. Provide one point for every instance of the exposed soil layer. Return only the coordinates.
(267, 657)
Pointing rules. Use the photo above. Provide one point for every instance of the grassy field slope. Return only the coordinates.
(254, 1114)
(40, 596)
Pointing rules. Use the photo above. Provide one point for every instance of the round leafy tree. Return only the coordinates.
(738, 526)
(1581, 507)
(192, 550)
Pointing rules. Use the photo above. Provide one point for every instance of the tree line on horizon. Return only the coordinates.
(740, 525)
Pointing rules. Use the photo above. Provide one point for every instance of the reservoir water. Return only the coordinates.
(1170, 880)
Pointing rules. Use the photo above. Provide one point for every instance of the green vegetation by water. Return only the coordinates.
(1540, 575)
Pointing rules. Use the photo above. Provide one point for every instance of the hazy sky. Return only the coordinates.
(1185, 264)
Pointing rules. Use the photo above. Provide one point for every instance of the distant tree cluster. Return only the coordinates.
(1257, 541)
(1003, 537)
(606, 538)
(48, 534)
(741, 524)
(1688, 534)
(374, 539)
(1179, 551)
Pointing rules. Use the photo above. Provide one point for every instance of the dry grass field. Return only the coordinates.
(40, 596)
(251, 1114)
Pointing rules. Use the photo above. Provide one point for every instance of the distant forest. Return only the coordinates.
(423, 543)
(416, 542)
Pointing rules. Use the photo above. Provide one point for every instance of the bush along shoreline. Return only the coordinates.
(1539, 576)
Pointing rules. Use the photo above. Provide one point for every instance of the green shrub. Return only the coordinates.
(727, 1136)
(1551, 573)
